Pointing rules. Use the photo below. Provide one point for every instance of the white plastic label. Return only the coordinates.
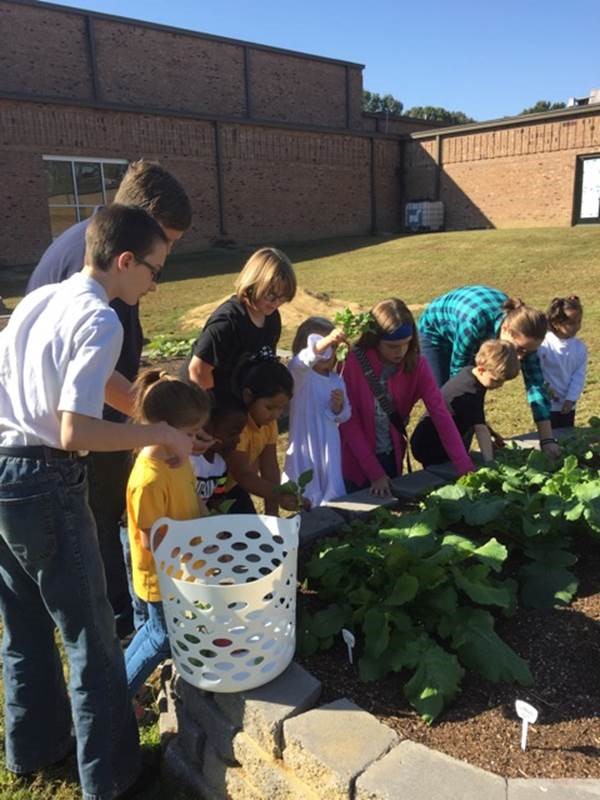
(350, 641)
(528, 715)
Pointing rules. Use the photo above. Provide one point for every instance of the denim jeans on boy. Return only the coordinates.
(148, 648)
(140, 607)
(51, 575)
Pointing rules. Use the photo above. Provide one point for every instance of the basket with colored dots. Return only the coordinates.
(228, 586)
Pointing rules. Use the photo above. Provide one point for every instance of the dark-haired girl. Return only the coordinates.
(454, 326)
(564, 359)
(265, 387)
(385, 376)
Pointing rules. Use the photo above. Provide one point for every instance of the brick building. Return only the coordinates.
(527, 171)
(271, 144)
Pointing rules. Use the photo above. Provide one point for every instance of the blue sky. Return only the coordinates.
(488, 59)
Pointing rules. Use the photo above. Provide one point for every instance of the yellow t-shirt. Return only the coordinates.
(156, 490)
(253, 441)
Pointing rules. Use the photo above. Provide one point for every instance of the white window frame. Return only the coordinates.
(72, 160)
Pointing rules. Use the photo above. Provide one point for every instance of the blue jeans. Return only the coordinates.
(140, 607)
(51, 576)
(148, 648)
(438, 357)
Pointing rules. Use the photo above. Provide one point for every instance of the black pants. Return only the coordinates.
(108, 474)
(242, 501)
(559, 420)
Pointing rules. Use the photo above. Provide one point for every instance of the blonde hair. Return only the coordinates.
(159, 397)
(523, 319)
(388, 316)
(265, 269)
(500, 358)
(311, 325)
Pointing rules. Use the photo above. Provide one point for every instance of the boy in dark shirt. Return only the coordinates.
(496, 362)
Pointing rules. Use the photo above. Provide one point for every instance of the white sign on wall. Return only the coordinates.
(590, 189)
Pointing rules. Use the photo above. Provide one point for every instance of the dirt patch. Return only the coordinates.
(562, 646)
(305, 304)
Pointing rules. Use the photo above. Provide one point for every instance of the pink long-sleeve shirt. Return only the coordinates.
(359, 461)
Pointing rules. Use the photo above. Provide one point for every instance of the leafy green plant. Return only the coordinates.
(353, 325)
(297, 487)
(419, 603)
(163, 347)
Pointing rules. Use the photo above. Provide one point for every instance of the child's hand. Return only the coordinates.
(381, 487)
(288, 501)
(336, 401)
(177, 443)
(337, 336)
(498, 440)
(567, 407)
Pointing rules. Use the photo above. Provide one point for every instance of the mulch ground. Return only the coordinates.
(562, 646)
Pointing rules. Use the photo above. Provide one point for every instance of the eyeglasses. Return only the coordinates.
(156, 271)
(272, 297)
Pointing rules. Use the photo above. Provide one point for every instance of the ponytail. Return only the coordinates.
(559, 306)
(159, 397)
(523, 319)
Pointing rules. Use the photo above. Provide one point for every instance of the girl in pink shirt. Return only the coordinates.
(373, 445)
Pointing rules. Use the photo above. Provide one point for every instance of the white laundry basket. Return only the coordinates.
(228, 586)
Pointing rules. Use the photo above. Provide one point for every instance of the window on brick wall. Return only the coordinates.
(75, 186)
(587, 190)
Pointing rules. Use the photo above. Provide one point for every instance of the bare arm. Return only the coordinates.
(78, 432)
(119, 394)
(484, 440)
(201, 373)
(269, 470)
(253, 483)
(546, 435)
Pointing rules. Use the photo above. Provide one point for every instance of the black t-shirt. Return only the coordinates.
(228, 335)
(63, 258)
(465, 398)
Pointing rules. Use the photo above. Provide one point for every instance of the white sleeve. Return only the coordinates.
(346, 412)
(577, 381)
(95, 350)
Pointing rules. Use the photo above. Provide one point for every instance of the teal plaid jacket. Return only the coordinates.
(462, 320)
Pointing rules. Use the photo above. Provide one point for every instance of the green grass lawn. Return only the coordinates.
(535, 264)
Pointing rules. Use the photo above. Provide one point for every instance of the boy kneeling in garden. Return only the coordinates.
(56, 356)
(496, 362)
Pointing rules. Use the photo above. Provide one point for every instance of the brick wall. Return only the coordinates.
(80, 56)
(277, 184)
(518, 175)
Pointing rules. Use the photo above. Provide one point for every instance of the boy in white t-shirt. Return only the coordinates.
(564, 359)
(56, 356)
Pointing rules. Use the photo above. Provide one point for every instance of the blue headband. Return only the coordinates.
(403, 332)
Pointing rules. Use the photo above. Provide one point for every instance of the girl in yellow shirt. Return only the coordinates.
(158, 489)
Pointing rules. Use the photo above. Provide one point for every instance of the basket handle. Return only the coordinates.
(158, 534)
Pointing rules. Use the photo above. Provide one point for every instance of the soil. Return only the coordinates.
(305, 304)
(562, 646)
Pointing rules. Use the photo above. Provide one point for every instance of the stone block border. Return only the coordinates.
(277, 743)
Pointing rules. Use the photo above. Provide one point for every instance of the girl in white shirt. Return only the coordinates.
(319, 405)
(564, 359)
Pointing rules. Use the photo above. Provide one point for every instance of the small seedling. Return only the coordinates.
(353, 325)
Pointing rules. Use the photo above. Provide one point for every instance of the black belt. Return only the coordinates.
(38, 453)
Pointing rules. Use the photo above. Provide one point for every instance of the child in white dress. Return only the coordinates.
(319, 405)
(564, 359)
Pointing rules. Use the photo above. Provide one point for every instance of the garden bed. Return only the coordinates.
(562, 646)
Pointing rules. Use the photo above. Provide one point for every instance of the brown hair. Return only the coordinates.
(265, 269)
(148, 185)
(161, 398)
(558, 308)
(500, 358)
(319, 325)
(119, 229)
(523, 319)
(389, 315)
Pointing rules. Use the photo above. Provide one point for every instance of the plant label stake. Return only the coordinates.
(350, 642)
(527, 714)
